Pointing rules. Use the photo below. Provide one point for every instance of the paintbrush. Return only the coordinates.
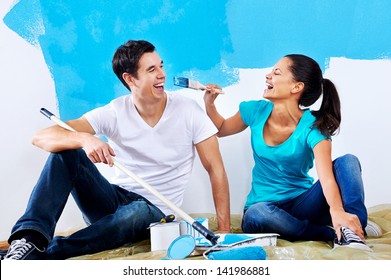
(193, 84)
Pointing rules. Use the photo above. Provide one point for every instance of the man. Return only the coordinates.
(152, 133)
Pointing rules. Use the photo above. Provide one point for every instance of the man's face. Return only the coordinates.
(150, 76)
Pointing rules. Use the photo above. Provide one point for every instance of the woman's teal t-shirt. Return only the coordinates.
(280, 172)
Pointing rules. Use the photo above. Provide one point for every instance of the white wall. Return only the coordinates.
(26, 86)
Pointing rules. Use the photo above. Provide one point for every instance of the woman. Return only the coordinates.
(286, 138)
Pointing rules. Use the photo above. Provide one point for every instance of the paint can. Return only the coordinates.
(187, 229)
(162, 235)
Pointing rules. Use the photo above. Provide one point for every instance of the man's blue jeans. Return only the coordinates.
(307, 216)
(115, 216)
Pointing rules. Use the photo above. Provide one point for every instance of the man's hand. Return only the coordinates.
(97, 150)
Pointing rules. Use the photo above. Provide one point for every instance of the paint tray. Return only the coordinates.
(229, 240)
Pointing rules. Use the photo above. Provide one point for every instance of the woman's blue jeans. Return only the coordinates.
(115, 216)
(307, 216)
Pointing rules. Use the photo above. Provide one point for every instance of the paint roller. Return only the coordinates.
(240, 253)
(195, 224)
(234, 247)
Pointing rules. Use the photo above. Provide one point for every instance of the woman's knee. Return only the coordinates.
(257, 217)
(348, 160)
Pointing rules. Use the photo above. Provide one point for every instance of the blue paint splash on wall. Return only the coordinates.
(80, 38)
(205, 40)
(264, 31)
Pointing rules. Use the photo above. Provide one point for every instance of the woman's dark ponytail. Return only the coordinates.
(307, 70)
(328, 117)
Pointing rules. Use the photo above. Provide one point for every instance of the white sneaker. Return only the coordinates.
(373, 230)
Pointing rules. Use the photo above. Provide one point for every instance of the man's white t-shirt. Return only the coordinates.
(162, 155)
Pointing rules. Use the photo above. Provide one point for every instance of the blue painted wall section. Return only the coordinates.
(205, 40)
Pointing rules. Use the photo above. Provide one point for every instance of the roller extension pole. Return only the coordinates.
(196, 225)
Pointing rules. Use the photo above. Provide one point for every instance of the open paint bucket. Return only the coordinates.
(162, 235)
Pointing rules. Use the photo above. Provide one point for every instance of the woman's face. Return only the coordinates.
(279, 82)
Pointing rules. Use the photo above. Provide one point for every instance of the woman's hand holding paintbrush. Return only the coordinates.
(211, 93)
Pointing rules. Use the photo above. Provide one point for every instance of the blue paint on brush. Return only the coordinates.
(181, 82)
(192, 84)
